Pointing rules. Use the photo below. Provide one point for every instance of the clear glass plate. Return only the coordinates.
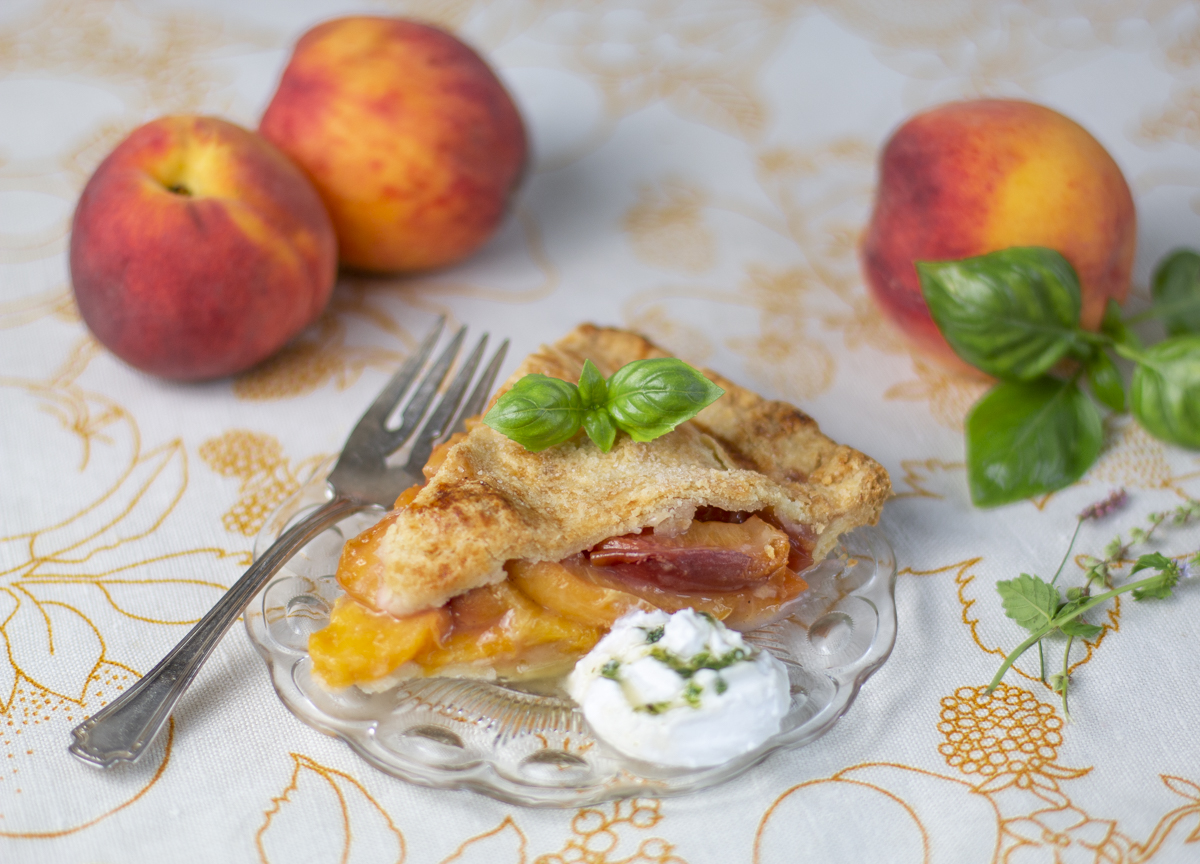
(534, 748)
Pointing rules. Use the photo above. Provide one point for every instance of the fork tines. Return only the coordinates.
(451, 409)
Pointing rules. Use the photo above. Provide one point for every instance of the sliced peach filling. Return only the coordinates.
(741, 568)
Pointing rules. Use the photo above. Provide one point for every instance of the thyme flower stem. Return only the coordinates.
(1067, 554)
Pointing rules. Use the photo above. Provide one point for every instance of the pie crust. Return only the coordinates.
(491, 501)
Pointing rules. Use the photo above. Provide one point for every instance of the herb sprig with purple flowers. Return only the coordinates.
(1038, 606)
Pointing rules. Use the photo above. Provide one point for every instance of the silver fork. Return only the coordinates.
(361, 479)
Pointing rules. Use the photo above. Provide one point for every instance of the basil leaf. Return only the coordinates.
(1166, 390)
(1114, 326)
(1176, 291)
(1025, 439)
(599, 426)
(1105, 381)
(649, 398)
(593, 391)
(1031, 601)
(538, 412)
(1012, 313)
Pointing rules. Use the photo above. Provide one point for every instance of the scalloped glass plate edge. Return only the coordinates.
(534, 749)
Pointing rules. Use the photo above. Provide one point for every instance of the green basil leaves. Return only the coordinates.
(1166, 390)
(1028, 438)
(645, 399)
(539, 411)
(1176, 290)
(649, 398)
(1012, 314)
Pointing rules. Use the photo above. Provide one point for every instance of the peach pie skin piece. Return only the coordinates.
(528, 558)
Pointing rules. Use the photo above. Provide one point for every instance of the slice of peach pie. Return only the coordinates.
(509, 564)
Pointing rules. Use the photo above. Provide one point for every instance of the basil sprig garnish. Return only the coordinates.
(1014, 314)
(645, 399)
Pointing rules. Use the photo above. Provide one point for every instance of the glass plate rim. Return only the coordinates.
(483, 777)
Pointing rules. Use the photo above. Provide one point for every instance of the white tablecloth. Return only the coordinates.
(702, 173)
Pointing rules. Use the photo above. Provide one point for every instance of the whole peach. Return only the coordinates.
(968, 178)
(198, 249)
(412, 141)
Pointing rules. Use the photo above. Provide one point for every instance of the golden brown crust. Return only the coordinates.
(493, 501)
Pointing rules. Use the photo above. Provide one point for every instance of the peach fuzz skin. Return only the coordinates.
(411, 140)
(198, 249)
(968, 178)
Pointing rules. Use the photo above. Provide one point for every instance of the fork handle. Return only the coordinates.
(122, 730)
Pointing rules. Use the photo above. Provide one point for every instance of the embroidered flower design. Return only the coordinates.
(1007, 738)
(1060, 836)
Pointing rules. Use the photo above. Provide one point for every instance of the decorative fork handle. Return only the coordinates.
(122, 730)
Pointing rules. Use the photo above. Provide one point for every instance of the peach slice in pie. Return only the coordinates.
(508, 564)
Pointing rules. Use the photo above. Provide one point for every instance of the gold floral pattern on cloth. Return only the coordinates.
(267, 475)
(1006, 737)
(928, 478)
(1015, 808)
(667, 229)
(612, 834)
(950, 395)
(1178, 120)
(818, 203)
(301, 811)
(1132, 458)
(951, 50)
(707, 70)
(606, 835)
(70, 583)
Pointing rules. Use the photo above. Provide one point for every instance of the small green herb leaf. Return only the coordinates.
(537, 412)
(1165, 395)
(1012, 313)
(1028, 439)
(593, 391)
(610, 670)
(1082, 629)
(1029, 600)
(1161, 585)
(1105, 381)
(599, 426)
(1176, 291)
(1076, 626)
(649, 398)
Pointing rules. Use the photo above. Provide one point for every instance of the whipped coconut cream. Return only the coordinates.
(680, 690)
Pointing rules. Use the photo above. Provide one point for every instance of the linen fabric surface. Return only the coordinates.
(702, 172)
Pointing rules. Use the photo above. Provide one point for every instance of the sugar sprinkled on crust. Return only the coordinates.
(493, 501)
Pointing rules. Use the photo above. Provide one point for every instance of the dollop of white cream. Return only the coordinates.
(680, 690)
